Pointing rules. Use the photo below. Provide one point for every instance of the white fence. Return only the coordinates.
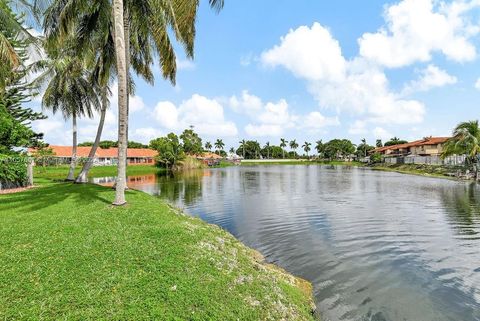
(455, 160)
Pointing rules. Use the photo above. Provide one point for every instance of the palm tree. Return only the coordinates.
(208, 146)
(379, 143)
(306, 147)
(219, 145)
(243, 144)
(68, 91)
(294, 146)
(232, 150)
(283, 144)
(153, 19)
(364, 145)
(267, 147)
(319, 146)
(465, 140)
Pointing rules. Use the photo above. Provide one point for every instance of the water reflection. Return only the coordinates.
(376, 245)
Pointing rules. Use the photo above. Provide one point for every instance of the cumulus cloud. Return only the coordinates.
(380, 133)
(310, 53)
(206, 115)
(415, 29)
(145, 135)
(477, 84)
(185, 64)
(273, 118)
(358, 87)
(430, 77)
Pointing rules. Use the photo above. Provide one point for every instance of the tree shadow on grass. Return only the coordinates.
(52, 194)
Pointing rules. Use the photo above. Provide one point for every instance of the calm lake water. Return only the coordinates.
(375, 245)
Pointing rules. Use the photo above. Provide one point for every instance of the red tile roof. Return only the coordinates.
(421, 142)
(208, 155)
(66, 151)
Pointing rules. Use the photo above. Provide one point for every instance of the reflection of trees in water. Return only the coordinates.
(183, 187)
(463, 208)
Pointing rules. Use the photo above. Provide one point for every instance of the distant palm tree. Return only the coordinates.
(267, 147)
(364, 144)
(306, 147)
(465, 140)
(294, 146)
(319, 147)
(283, 144)
(243, 144)
(208, 146)
(219, 145)
(232, 150)
(379, 143)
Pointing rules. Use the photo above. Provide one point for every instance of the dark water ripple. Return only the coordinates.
(376, 245)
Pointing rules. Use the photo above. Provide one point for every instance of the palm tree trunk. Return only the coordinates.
(82, 177)
(126, 28)
(73, 162)
(122, 102)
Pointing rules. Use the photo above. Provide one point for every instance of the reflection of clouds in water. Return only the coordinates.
(376, 245)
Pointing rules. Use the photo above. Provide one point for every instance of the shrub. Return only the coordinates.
(376, 158)
(13, 171)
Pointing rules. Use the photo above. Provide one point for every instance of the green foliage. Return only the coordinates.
(465, 141)
(272, 151)
(169, 149)
(13, 170)
(363, 149)
(379, 143)
(106, 144)
(192, 143)
(338, 148)
(376, 158)
(249, 149)
(395, 141)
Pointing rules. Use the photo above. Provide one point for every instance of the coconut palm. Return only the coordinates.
(69, 92)
(364, 145)
(219, 145)
(232, 150)
(379, 143)
(152, 20)
(294, 146)
(465, 140)
(283, 144)
(243, 144)
(208, 146)
(319, 146)
(306, 147)
(267, 147)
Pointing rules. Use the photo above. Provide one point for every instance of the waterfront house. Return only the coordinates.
(209, 158)
(103, 157)
(428, 146)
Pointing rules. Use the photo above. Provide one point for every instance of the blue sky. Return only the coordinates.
(311, 70)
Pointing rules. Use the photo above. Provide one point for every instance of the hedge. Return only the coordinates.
(13, 171)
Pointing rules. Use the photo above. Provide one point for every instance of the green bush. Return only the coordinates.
(13, 171)
(376, 158)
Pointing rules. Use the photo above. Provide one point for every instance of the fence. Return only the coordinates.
(455, 160)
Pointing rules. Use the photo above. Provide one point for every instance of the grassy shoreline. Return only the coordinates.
(66, 253)
(60, 172)
(437, 171)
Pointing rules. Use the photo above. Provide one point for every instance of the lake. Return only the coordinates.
(375, 245)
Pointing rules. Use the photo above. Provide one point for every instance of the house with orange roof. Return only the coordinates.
(209, 158)
(103, 157)
(428, 146)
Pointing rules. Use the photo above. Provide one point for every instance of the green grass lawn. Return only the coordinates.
(60, 172)
(66, 253)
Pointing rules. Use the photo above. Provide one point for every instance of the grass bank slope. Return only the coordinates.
(66, 253)
(61, 172)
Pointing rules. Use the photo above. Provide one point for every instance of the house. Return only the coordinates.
(428, 146)
(209, 158)
(103, 157)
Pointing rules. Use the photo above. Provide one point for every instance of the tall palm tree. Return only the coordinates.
(319, 146)
(379, 143)
(267, 147)
(294, 146)
(465, 140)
(153, 18)
(283, 144)
(243, 144)
(364, 145)
(306, 147)
(219, 145)
(232, 150)
(208, 146)
(68, 91)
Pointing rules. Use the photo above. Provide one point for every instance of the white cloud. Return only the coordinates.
(185, 64)
(357, 87)
(477, 84)
(264, 130)
(206, 115)
(247, 103)
(315, 121)
(380, 133)
(358, 127)
(417, 28)
(145, 135)
(309, 53)
(430, 77)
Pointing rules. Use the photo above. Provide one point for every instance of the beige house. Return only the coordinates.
(429, 146)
